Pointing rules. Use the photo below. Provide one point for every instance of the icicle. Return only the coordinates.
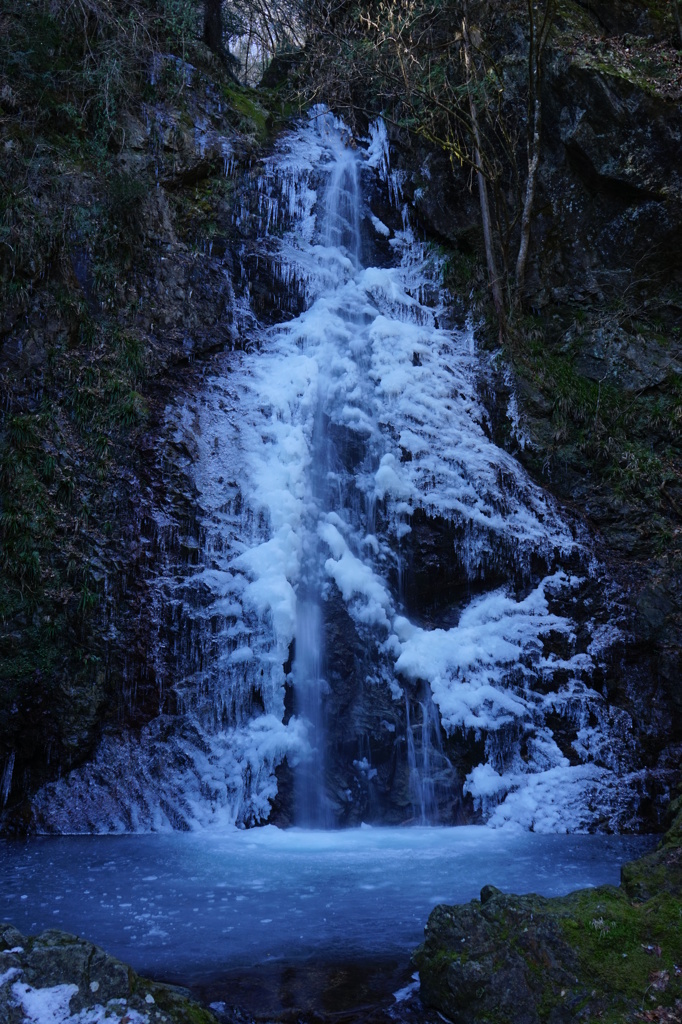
(316, 467)
(6, 780)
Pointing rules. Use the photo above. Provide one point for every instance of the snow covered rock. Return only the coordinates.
(57, 978)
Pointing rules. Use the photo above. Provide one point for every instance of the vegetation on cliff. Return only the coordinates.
(117, 223)
(117, 128)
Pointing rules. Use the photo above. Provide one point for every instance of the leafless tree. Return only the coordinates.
(486, 221)
(267, 28)
(540, 20)
(435, 75)
(213, 25)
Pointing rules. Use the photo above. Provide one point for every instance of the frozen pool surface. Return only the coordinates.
(191, 905)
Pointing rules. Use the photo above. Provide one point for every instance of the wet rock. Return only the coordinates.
(363, 721)
(58, 972)
(654, 606)
(526, 958)
(529, 959)
(10, 936)
(367, 761)
(469, 972)
(660, 872)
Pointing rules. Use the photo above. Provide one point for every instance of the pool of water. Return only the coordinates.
(191, 906)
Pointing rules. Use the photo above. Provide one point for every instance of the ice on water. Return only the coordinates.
(373, 358)
(188, 906)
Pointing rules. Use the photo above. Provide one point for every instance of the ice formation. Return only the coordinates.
(195, 906)
(310, 458)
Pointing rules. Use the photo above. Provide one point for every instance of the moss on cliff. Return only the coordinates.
(114, 152)
(603, 400)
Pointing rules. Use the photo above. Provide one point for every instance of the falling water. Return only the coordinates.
(310, 801)
(322, 470)
(427, 763)
(339, 226)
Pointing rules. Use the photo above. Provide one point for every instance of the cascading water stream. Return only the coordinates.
(426, 761)
(339, 226)
(310, 790)
(353, 512)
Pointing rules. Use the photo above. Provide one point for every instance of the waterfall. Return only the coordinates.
(310, 802)
(425, 759)
(309, 684)
(339, 226)
(371, 613)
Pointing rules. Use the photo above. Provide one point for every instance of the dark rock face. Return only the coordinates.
(115, 292)
(636, 16)
(362, 720)
(59, 973)
(609, 210)
(594, 363)
(613, 182)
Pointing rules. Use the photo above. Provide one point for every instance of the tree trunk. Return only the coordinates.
(528, 201)
(678, 18)
(213, 25)
(534, 125)
(538, 39)
(493, 275)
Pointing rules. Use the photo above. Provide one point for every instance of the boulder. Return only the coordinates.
(57, 976)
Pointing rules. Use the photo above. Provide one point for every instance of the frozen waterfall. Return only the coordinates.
(345, 454)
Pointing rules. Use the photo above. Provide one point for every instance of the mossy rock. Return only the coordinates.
(55, 958)
(659, 872)
(609, 953)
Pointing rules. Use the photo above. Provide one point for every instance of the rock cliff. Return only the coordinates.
(126, 260)
(118, 274)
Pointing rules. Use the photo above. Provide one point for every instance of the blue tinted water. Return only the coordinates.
(189, 905)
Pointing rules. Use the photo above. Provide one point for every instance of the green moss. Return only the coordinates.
(181, 1009)
(654, 69)
(596, 953)
(659, 872)
(253, 118)
(202, 212)
(55, 490)
(441, 958)
(625, 438)
(608, 954)
(463, 273)
(573, 20)
(621, 943)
